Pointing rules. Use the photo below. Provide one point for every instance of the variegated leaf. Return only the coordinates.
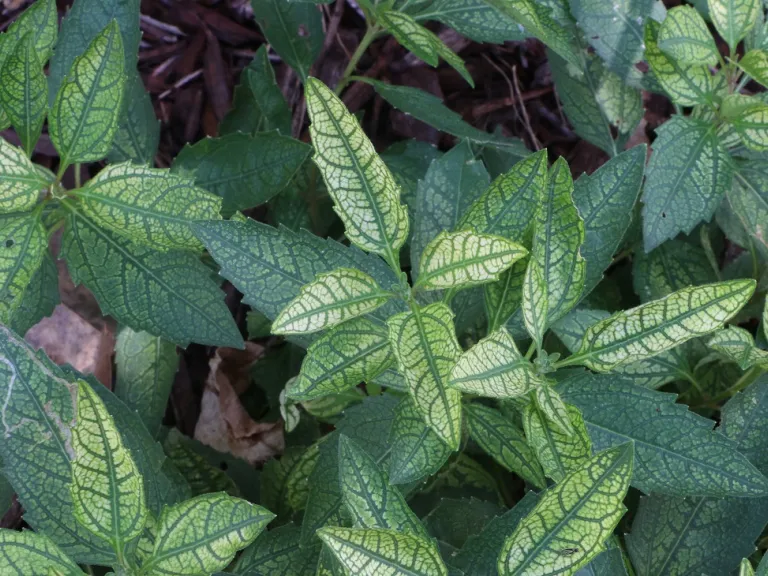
(553, 408)
(738, 345)
(685, 37)
(734, 18)
(20, 181)
(535, 305)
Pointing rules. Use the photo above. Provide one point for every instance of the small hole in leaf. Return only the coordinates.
(223, 466)
(9, 243)
(303, 33)
(663, 214)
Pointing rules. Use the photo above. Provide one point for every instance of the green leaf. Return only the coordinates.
(259, 105)
(278, 551)
(609, 562)
(755, 64)
(494, 368)
(557, 241)
(365, 194)
(293, 29)
(201, 476)
(332, 298)
(416, 450)
(686, 85)
(559, 453)
(146, 368)
(668, 531)
(734, 18)
(454, 520)
(552, 407)
(29, 554)
(138, 133)
(748, 200)
(430, 109)
(168, 294)
(41, 20)
(508, 206)
(504, 442)
(652, 328)
(354, 352)
(615, 30)
(443, 195)
(23, 244)
(39, 410)
(752, 127)
(504, 297)
(24, 92)
(285, 482)
(368, 496)
(426, 349)
(674, 265)
(202, 535)
(40, 297)
(20, 181)
(85, 114)
(687, 175)
(245, 170)
(535, 303)
(107, 488)
(372, 552)
(685, 37)
(605, 201)
(270, 266)
(148, 205)
(424, 44)
(737, 345)
(576, 515)
(676, 450)
(408, 160)
(465, 258)
(474, 19)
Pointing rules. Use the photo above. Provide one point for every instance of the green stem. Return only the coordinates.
(78, 181)
(370, 35)
(746, 379)
(531, 350)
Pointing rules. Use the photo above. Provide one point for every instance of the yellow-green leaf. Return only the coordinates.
(652, 328)
(553, 408)
(559, 454)
(465, 258)
(535, 304)
(148, 205)
(503, 298)
(29, 554)
(752, 127)
(85, 114)
(20, 180)
(422, 42)
(495, 368)
(426, 349)
(745, 568)
(734, 18)
(107, 488)
(685, 37)
(202, 535)
(755, 63)
(504, 442)
(572, 520)
(376, 552)
(23, 243)
(365, 195)
(332, 298)
(737, 345)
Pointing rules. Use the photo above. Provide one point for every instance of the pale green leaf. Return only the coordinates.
(40, 20)
(40, 297)
(431, 110)
(674, 265)
(29, 554)
(465, 258)
(376, 552)
(107, 488)
(332, 298)
(495, 368)
(503, 298)
(365, 194)
(504, 442)
(535, 302)
(276, 552)
(23, 244)
(745, 568)
(734, 18)
(328, 408)
(168, 294)
(20, 181)
(559, 454)
(285, 481)
(685, 37)
(685, 84)
(605, 200)
(508, 206)
(554, 410)
(245, 170)
(738, 345)
(146, 368)
(571, 521)
(657, 326)
(368, 496)
(24, 92)
(557, 241)
(148, 205)
(426, 45)
(85, 114)
(202, 535)
(138, 133)
(755, 64)
(424, 343)
(293, 29)
(752, 127)
(676, 450)
(355, 352)
(417, 451)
